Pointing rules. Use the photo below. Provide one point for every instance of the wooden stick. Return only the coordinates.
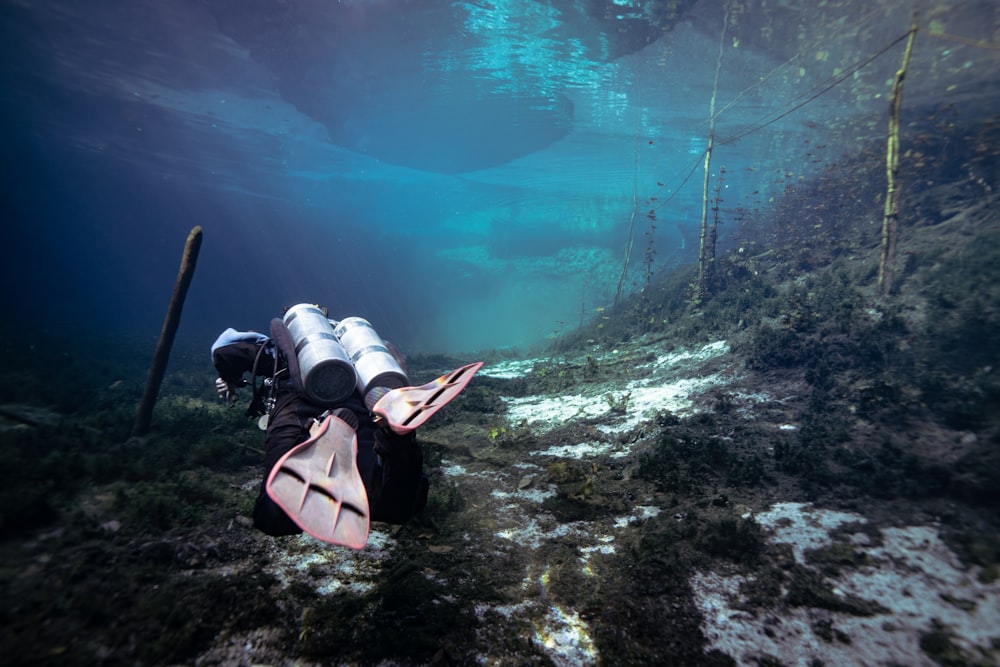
(890, 218)
(706, 250)
(173, 319)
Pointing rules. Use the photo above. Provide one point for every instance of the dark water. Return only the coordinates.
(462, 174)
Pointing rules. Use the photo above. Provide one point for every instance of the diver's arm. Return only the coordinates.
(237, 352)
(234, 360)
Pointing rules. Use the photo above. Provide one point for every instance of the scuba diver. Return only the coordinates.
(339, 419)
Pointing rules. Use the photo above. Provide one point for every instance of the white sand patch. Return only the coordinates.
(644, 402)
(921, 580)
(640, 402)
(622, 406)
(512, 369)
(578, 451)
(453, 469)
(531, 495)
(559, 632)
(531, 532)
(701, 355)
(458, 470)
(605, 547)
(802, 526)
(551, 411)
(509, 370)
(640, 513)
(565, 638)
(333, 568)
(640, 398)
(556, 629)
(913, 574)
(725, 628)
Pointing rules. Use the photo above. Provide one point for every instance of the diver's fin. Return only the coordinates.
(318, 485)
(406, 408)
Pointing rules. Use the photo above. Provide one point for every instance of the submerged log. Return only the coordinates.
(173, 319)
(890, 217)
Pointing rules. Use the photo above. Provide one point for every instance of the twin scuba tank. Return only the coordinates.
(335, 358)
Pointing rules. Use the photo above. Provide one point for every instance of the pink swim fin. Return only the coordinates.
(318, 485)
(407, 408)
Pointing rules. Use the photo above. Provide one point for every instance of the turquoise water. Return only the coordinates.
(464, 175)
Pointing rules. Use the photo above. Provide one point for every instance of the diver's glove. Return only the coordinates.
(226, 391)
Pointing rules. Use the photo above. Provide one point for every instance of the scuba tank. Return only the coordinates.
(327, 360)
(375, 366)
(327, 375)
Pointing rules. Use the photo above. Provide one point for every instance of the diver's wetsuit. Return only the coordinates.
(391, 465)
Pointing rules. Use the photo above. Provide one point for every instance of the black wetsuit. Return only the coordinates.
(390, 465)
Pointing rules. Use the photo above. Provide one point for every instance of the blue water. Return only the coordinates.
(461, 174)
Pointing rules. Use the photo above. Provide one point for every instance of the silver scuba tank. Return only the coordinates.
(328, 377)
(374, 364)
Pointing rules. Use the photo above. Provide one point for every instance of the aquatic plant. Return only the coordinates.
(707, 237)
(648, 256)
(630, 236)
(618, 405)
